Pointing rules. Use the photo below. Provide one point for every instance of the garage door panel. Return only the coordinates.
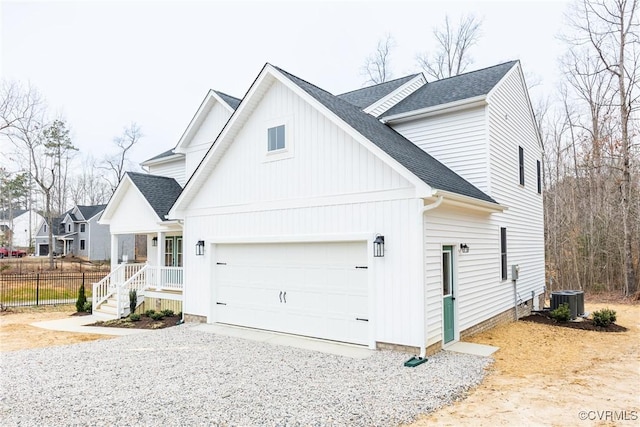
(325, 292)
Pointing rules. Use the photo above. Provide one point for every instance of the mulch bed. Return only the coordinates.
(144, 323)
(544, 318)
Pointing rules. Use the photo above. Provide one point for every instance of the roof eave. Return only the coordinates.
(469, 202)
(161, 160)
(463, 104)
(384, 99)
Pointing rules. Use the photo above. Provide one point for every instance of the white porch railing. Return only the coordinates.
(108, 286)
(138, 277)
(165, 278)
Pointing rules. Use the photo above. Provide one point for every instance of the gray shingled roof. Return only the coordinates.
(368, 95)
(160, 191)
(416, 160)
(232, 101)
(452, 89)
(161, 155)
(14, 214)
(89, 211)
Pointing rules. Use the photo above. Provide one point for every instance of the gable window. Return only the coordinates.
(539, 177)
(82, 228)
(503, 253)
(521, 164)
(44, 228)
(69, 228)
(275, 138)
(82, 245)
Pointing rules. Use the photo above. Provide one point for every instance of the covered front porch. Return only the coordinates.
(158, 282)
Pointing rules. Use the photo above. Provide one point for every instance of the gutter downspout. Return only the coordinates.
(423, 327)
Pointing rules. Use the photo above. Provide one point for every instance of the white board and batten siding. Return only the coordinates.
(457, 139)
(329, 189)
(208, 128)
(511, 125)
(173, 169)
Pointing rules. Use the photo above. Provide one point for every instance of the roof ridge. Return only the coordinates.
(307, 82)
(474, 71)
(379, 84)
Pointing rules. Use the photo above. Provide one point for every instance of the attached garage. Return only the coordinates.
(43, 250)
(318, 289)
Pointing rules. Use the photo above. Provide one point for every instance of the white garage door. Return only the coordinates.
(313, 289)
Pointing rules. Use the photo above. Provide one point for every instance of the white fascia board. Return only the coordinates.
(205, 106)
(449, 107)
(384, 99)
(161, 160)
(469, 202)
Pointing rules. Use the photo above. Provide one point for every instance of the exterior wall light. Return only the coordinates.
(200, 247)
(378, 246)
(154, 242)
(464, 248)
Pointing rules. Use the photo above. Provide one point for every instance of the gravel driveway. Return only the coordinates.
(180, 376)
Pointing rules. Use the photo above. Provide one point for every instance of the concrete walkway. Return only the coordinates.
(295, 341)
(472, 348)
(77, 324)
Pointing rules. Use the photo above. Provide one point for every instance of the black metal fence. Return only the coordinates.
(45, 288)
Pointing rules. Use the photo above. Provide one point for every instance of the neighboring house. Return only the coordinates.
(77, 233)
(18, 222)
(406, 214)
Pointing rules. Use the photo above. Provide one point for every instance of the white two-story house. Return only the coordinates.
(406, 214)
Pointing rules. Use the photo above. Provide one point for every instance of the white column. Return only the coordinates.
(161, 248)
(114, 251)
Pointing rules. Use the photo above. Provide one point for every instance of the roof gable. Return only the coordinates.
(412, 157)
(89, 211)
(464, 86)
(369, 95)
(159, 191)
(229, 102)
(410, 160)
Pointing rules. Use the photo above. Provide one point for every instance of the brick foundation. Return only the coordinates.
(194, 318)
(398, 347)
(508, 316)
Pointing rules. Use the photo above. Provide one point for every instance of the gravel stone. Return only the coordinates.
(184, 377)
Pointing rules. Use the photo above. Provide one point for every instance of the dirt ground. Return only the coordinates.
(16, 333)
(31, 264)
(542, 375)
(552, 376)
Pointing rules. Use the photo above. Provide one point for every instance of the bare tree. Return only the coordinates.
(116, 165)
(88, 186)
(59, 147)
(611, 29)
(376, 66)
(451, 56)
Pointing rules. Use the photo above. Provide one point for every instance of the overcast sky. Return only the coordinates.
(102, 65)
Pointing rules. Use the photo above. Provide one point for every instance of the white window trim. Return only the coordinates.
(284, 153)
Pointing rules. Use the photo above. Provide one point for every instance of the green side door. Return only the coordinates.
(447, 293)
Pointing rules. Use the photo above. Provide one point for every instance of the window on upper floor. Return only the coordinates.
(44, 228)
(539, 176)
(521, 164)
(275, 138)
(503, 253)
(69, 228)
(82, 228)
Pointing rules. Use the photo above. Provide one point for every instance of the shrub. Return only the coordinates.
(157, 316)
(82, 299)
(133, 300)
(148, 313)
(562, 313)
(134, 317)
(167, 312)
(604, 317)
(88, 307)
